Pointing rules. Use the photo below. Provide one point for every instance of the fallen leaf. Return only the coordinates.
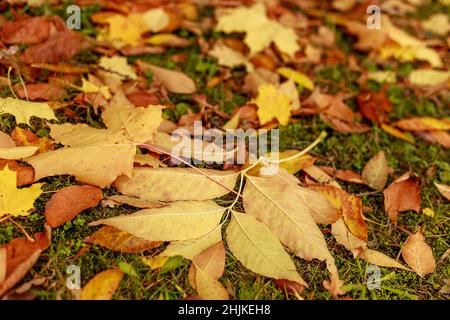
(208, 287)
(428, 77)
(173, 81)
(68, 202)
(30, 30)
(155, 262)
(423, 123)
(19, 256)
(173, 184)
(297, 77)
(17, 153)
(16, 202)
(255, 246)
(344, 237)
(102, 286)
(443, 189)
(252, 20)
(272, 105)
(437, 23)
(380, 259)
(418, 254)
(397, 133)
(375, 172)
(23, 110)
(181, 220)
(117, 240)
(25, 175)
(402, 196)
(229, 58)
(134, 202)
(374, 106)
(6, 141)
(344, 175)
(23, 137)
(119, 66)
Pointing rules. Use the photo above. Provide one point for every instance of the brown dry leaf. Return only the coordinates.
(102, 286)
(380, 259)
(173, 184)
(180, 220)
(121, 241)
(344, 175)
(402, 196)
(23, 137)
(374, 106)
(41, 91)
(68, 202)
(32, 30)
(375, 172)
(438, 136)
(60, 46)
(443, 189)
(173, 81)
(20, 255)
(418, 254)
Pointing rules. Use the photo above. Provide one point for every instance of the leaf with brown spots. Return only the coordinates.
(121, 241)
(68, 202)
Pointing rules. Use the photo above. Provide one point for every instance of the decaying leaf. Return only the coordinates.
(68, 202)
(418, 254)
(121, 241)
(102, 286)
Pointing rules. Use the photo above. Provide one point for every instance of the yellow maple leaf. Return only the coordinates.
(13, 201)
(260, 30)
(89, 87)
(23, 110)
(127, 29)
(271, 104)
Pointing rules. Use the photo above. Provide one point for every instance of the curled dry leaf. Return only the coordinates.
(68, 202)
(418, 254)
(102, 286)
(173, 184)
(402, 196)
(121, 241)
(173, 81)
(375, 172)
(181, 220)
(19, 256)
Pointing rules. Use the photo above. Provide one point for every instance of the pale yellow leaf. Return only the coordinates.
(428, 77)
(443, 189)
(17, 153)
(182, 220)
(23, 110)
(230, 58)
(375, 172)
(173, 184)
(257, 248)
(172, 80)
(380, 259)
(344, 237)
(437, 23)
(383, 76)
(208, 287)
(155, 19)
(89, 87)
(119, 66)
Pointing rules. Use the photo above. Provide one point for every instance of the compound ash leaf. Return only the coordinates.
(102, 286)
(13, 201)
(174, 184)
(182, 220)
(259, 250)
(121, 241)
